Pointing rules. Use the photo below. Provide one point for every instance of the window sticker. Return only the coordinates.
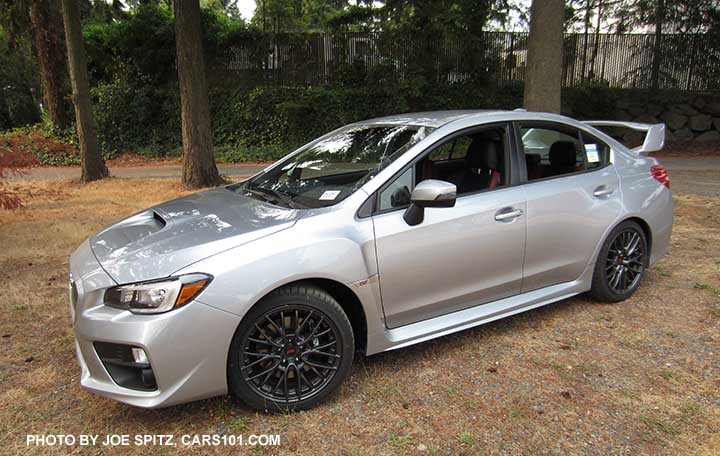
(591, 152)
(329, 195)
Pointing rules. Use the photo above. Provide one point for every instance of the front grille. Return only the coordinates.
(120, 364)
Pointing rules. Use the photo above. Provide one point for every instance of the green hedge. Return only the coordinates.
(262, 123)
(137, 106)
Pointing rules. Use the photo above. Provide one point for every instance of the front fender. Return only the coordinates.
(315, 248)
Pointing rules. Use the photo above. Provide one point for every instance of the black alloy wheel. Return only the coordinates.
(291, 350)
(625, 261)
(621, 264)
(291, 353)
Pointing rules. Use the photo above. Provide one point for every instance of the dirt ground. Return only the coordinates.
(641, 377)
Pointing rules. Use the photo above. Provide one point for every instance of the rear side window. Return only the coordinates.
(552, 151)
(460, 147)
(442, 153)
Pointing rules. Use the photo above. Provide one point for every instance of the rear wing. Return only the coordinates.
(654, 133)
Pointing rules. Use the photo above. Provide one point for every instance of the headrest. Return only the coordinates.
(533, 159)
(562, 153)
(484, 154)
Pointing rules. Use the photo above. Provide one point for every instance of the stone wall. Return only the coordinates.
(688, 117)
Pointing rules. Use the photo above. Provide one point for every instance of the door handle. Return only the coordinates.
(507, 214)
(603, 190)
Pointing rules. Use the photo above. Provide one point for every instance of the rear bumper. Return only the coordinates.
(661, 222)
(187, 348)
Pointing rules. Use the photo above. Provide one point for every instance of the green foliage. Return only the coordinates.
(142, 44)
(590, 100)
(424, 44)
(18, 84)
(248, 154)
(132, 113)
(47, 147)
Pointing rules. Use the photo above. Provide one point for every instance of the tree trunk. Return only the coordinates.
(199, 169)
(543, 74)
(91, 162)
(657, 48)
(597, 40)
(585, 37)
(49, 46)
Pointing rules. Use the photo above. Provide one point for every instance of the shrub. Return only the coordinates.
(244, 154)
(35, 146)
(592, 100)
(12, 161)
(133, 114)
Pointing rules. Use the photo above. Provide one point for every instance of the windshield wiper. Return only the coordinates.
(277, 196)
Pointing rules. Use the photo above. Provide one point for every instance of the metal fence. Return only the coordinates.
(687, 62)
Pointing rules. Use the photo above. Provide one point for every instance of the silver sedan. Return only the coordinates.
(380, 234)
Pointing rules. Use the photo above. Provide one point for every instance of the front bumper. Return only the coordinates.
(187, 348)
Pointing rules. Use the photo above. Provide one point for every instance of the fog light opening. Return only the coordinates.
(128, 366)
(140, 356)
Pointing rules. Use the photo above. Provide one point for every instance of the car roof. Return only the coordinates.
(433, 119)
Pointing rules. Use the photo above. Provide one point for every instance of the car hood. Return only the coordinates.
(165, 238)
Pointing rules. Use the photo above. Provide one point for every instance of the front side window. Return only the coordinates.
(329, 171)
(478, 161)
(474, 162)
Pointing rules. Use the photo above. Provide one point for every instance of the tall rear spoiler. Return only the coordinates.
(654, 133)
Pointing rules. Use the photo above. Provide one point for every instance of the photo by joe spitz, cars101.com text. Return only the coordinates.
(376, 236)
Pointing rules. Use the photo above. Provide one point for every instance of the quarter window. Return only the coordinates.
(597, 153)
(397, 194)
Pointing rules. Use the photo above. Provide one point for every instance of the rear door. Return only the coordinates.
(573, 196)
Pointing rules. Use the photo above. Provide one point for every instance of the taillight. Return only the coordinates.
(660, 173)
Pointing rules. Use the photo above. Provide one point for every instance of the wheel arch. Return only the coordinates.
(646, 230)
(351, 304)
(631, 218)
(346, 298)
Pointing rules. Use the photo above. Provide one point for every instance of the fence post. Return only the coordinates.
(627, 61)
(511, 58)
(692, 62)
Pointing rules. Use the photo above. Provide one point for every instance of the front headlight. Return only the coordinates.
(157, 296)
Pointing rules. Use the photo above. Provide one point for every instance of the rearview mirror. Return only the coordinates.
(429, 193)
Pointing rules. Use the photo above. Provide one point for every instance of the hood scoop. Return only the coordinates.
(131, 229)
(161, 240)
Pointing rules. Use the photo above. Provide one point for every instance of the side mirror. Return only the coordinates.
(429, 193)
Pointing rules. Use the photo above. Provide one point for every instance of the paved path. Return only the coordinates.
(699, 175)
(140, 172)
(691, 163)
(687, 175)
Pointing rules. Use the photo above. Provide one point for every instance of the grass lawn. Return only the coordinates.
(640, 377)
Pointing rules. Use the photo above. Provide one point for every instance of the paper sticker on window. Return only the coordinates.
(329, 195)
(591, 152)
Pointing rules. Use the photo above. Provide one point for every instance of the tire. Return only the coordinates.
(620, 267)
(296, 365)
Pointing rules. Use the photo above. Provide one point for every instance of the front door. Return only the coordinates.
(457, 257)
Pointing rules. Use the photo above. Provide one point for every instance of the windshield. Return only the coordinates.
(329, 171)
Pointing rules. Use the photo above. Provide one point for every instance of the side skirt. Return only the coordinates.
(468, 318)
